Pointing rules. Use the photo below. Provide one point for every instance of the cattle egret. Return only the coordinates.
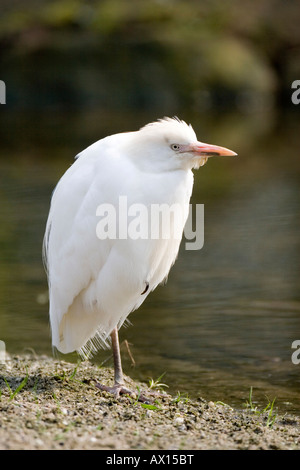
(96, 281)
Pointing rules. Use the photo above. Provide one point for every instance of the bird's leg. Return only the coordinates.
(119, 379)
(118, 388)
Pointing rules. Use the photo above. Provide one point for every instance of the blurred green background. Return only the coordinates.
(76, 71)
(192, 54)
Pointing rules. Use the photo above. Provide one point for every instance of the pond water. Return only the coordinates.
(227, 317)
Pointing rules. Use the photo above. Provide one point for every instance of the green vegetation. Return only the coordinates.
(156, 384)
(13, 393)
(70, 376)
(181, 397)
(268, 411)
(150, 52)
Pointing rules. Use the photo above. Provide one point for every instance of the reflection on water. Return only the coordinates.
(229, 313)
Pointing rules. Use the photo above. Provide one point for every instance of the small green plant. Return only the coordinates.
(224, 404)
(56, 401)
(147, 406)
(138, 395)
(13, 393)
(271, 417)
(249, 404)
(34, 389)
(72, 375)
(65, 377)
(181, 397)
(150, 406)
(156, 384)
(269, 409)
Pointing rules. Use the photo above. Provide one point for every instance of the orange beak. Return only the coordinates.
(207, 150)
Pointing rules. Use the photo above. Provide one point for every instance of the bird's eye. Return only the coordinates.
(175, 147)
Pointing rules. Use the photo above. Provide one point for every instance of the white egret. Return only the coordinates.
(95, 282)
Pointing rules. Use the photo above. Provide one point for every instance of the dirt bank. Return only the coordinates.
(49, 404)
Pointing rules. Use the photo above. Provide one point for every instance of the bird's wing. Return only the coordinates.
(89, 285)
(72, 253)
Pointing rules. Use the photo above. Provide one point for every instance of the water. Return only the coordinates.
(229, 313)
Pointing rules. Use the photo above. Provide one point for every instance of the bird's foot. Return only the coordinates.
(116, 390)
(119, 389)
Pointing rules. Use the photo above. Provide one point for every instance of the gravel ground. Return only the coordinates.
(50, 404)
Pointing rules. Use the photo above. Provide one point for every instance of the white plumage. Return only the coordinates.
(95, 283)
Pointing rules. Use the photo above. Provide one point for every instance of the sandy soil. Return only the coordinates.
(50, 404)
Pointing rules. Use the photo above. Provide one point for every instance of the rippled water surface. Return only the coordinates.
(229, 313)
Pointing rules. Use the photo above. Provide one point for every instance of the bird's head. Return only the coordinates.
(170, 144)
